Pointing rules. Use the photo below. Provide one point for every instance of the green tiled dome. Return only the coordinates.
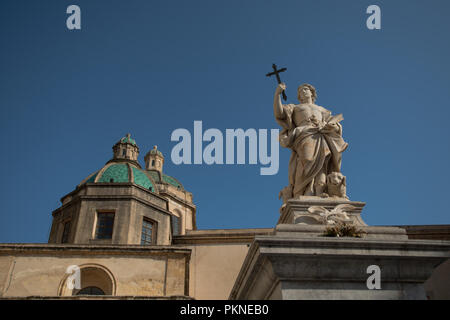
(115, 173)
(141, 178)
(172, 181)
(127, 139)
(156, 176)
(121, 172)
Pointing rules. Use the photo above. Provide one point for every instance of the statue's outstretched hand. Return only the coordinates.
(281, 87)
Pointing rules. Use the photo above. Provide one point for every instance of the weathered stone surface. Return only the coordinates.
(296, 210)
(302, 265)
(40, 270)
(317, 231)
(315, 138)
(217, 256)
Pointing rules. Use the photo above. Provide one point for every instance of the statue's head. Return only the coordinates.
(305, 91)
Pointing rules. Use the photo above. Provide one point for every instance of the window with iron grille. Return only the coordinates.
(147, 232)
(105, 223)
(66, 232)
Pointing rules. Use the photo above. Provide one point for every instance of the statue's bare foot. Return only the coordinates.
(324, 195)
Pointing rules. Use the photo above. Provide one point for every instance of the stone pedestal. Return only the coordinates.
(298, 262)
(296, 211)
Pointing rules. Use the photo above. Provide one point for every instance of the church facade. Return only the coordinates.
(129, 232)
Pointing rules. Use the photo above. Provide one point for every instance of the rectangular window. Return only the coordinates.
(105, 223)
(147, 232)
(66, 232)
(175, 225)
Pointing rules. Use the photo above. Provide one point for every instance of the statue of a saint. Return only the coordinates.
(315, 138)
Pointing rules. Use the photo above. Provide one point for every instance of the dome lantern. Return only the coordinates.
(126, 149)
(154, 160)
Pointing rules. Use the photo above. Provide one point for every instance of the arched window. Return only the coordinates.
(91, 291)
(94, 280)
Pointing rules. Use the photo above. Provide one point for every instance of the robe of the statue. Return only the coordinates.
(327, 151)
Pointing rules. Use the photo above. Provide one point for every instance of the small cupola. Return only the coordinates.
(154, 160)
(126, 149)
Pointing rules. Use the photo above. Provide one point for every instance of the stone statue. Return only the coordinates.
(336, 185)
(315, 138)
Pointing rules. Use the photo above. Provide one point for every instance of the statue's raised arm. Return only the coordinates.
(277, 105)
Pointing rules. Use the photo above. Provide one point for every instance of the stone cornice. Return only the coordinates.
(302, 252)
(108, 250)
(434, 232)
(86, 297)
(220, 236)
(109, 185)
(180, 200)
(76, 198)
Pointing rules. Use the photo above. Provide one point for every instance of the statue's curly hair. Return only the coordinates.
(313, 91)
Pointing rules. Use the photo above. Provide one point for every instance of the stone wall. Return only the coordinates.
(40, 270)
(216, 259)
(129, 203)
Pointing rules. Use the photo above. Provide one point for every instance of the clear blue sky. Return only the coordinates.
(149, 67)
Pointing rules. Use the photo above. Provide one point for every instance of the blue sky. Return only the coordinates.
(150, 67)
